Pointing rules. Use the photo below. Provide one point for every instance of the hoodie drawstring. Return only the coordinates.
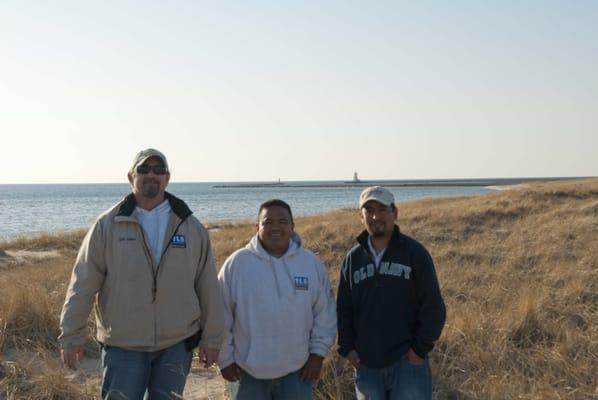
(286, 269)
(294, 244)
(273, 265)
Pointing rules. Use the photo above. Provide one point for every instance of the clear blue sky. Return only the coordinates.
(241, 91)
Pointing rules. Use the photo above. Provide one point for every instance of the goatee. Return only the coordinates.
(150, 190)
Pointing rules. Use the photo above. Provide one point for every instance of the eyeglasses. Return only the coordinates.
(145, 169)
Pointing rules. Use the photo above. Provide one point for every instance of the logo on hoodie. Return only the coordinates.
(179, 241)
(301, 283)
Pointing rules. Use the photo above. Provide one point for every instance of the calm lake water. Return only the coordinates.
(33, 209)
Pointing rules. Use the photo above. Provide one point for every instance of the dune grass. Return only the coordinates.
(518, 271)
(63, 241)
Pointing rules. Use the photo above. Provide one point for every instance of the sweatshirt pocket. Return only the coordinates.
(274, 356)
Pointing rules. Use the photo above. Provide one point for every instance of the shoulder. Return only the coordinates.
(308, 255)
(120, 208)
(353, 256)
(239, 258)
(111, 212)
(195, 224)
(418, 251)
(106, 218)
(241, 254)
(196, 229)
(411, 243)
(356, 249)
(311, 258)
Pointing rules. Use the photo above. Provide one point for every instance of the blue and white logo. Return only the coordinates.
(301, 283)
(179, 241)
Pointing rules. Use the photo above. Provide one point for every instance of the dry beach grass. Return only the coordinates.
(518, 271)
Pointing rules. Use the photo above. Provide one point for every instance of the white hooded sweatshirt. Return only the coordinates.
(277, 310)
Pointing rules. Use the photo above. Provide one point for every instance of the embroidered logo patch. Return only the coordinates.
(179, 241)
(301, 283)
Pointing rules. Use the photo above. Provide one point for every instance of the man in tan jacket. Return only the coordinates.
(147, 265)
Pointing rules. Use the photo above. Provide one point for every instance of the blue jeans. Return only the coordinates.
(288, 387)
(136, 375)
(399, 381)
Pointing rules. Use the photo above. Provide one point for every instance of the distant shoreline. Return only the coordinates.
(491, 183)
(215, 206)
(441, 182)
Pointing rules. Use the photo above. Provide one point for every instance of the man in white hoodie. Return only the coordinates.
(280, 316)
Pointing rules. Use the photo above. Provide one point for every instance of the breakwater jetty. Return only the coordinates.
(394, 183)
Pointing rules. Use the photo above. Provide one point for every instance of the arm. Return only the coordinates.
(227, 351)
(210, 299)
(323, 331)
(431, 308)
(344, 309)
(87, 279)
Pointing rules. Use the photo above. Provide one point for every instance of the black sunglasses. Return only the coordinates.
(145, 169)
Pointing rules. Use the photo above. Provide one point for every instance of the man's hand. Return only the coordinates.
(312, 368)
(72, 356)
(231, 373)
(413, 358)
(353, 359)
(208, 356)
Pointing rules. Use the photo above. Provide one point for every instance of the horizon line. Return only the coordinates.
(271, 181)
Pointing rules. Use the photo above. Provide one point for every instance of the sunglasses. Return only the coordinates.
(145, 169)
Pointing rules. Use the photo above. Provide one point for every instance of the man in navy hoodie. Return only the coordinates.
(390, 310)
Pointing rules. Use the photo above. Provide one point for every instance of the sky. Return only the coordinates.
(262, 90)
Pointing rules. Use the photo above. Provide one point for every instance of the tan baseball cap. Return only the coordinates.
(377, 193)
(147, 153)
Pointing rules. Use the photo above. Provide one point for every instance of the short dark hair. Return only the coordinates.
(275, 203)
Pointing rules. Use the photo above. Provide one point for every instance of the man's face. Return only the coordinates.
(274, 229)
(378, 219)
(149, 184)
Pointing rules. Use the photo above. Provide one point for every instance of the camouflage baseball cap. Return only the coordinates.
(147, 153)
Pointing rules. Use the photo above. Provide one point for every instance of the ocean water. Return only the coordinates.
(33, 209)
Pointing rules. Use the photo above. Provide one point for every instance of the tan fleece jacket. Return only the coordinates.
(138, 305)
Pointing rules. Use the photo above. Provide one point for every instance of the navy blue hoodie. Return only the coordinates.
(384, 310)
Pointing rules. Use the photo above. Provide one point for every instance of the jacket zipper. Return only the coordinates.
(376, 268)
(155, 272)
(372, 259)
(155, 287)
(149, 255)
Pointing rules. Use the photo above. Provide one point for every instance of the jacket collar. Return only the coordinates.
(177, 205)
(395, 239)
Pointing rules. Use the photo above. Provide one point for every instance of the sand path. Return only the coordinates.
(10, 258)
